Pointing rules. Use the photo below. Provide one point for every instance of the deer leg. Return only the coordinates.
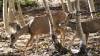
(14, 38)
(62, 36)
(87, 35)
(28, 45)
(16, 35)
(37, 40)
(30, 41)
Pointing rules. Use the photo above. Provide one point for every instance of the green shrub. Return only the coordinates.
(29, 3)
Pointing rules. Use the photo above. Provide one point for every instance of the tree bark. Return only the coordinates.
(63, 6)
(52, 25)
(91, 7)
(79, 26)
(5, 16)
(56, 43)
(20, 15)
(69, 6)
(11, 13)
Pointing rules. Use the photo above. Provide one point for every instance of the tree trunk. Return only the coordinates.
(56, 43)
(83, 51)
(50, 16)
(5, 18)
(63, 6)
(20, 15)
(64, 9)
(69, 6)
(91, 7)
(79, 27)
(11, 13)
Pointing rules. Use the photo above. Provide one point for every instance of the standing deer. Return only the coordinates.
(89, 26)
(40, 25)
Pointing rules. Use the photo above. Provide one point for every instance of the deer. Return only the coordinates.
(40, 25)
(88, 26)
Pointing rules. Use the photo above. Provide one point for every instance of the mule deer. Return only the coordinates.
(40, 25)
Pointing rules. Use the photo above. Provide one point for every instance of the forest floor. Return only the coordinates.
(45, 46)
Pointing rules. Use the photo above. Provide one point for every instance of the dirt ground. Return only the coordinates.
(44, 46)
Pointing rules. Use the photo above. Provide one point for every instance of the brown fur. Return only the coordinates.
(90, 26)
(40, 25)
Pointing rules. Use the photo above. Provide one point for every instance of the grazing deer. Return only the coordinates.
(40, 25)
(89, 26)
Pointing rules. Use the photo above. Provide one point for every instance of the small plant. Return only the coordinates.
(27, 3)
